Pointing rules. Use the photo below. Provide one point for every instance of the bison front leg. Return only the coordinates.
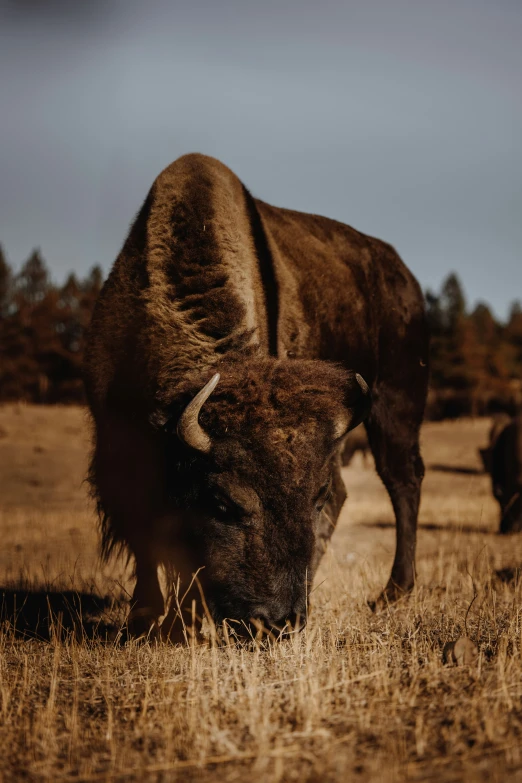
(147, 603)
(330, 513)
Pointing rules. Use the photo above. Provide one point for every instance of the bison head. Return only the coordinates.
(253, 471)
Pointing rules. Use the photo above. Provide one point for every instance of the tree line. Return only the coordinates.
(476, 361)
(42, 332)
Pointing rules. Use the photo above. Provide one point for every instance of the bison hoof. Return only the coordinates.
(391, 594)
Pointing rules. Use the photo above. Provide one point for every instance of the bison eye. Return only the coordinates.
(225, 510)
(324, 495)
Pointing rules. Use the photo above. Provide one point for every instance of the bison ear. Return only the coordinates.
(357, 402)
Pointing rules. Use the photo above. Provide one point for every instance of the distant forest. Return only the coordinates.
(42, 332)
(476, 362)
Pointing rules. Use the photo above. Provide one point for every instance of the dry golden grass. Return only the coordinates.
(356, 696)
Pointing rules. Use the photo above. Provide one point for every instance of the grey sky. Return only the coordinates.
(403, 119)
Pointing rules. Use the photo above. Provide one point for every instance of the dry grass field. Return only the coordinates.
(356, 696)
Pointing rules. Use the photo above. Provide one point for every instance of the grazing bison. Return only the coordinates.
(220, 372)
(503, 461)
(500, 421)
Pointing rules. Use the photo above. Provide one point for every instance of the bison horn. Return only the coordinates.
(362, 383)
(189, 428)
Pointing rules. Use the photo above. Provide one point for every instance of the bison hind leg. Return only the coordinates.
(393, 431)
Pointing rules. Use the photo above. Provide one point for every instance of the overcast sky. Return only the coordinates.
(403, 119)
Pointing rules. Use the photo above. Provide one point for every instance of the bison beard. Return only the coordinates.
(218, 375)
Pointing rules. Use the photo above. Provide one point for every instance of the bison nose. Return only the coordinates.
(288, 624)
(293, 623)
(262, 620)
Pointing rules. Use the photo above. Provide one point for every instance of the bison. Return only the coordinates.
(502, 459)
(224, 367)
(499, 422)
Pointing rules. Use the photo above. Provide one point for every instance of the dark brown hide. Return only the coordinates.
(284, 306)
(500, 421)
(505, 467)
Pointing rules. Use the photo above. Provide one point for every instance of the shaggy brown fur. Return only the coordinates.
(282, 304)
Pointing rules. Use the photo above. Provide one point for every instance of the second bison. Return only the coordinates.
(502, 459)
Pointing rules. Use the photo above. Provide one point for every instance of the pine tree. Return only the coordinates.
(452, 302)
(513, 340)
(453, 315)
(32, 339)
(33, 279)
(94, 281)
(69, 326)
(6, 280)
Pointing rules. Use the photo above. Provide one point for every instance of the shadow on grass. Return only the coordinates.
(451, 527)
(47, 614)
(455, 469)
